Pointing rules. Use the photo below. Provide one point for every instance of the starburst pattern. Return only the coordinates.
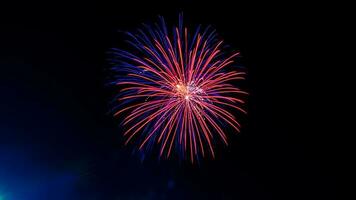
(177, 92)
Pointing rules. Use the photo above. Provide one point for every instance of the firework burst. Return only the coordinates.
(176, 90)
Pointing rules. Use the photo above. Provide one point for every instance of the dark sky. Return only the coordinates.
(59, 142)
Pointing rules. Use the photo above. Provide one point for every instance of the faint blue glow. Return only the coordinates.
(171, 184)
(33, 180)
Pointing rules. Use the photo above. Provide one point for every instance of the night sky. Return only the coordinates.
(59, 142)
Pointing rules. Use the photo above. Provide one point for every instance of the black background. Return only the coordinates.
(59, 142)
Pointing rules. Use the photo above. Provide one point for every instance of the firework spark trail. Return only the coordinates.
(176, 90)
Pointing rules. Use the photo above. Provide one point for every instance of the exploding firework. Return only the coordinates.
(177, 93)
